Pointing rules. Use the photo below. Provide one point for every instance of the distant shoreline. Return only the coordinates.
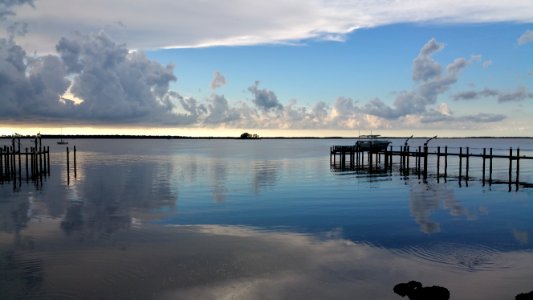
(172, 137)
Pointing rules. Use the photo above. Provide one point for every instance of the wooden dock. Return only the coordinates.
(33, 162)
(29, 164)
(352, 157)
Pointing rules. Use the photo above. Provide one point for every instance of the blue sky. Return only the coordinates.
(370, 63)
(460, 68)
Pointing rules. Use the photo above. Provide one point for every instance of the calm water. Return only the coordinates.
(265, 219)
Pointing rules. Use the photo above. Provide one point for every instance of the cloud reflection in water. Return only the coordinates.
(237, 262)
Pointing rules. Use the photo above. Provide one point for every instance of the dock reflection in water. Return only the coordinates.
(192, 224)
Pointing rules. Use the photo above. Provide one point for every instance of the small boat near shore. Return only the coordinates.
(371, 142)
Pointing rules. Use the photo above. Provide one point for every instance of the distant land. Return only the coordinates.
(119, 136)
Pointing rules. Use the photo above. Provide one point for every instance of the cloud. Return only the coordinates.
(264, 99)
(220, 112)
(518, 95)
(424, 66)
(94, 80)
(115, 85)
(167, 23)
(526, 37)
(7, 7)
(437, 117)
(430, 79)
(218, 80)
(30, 87)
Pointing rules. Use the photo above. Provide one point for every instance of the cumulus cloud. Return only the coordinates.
(431, 81)
(114, 85)
(167, 23)
(264, 99)
(526, 37)
(30, 87)
(217, 81)
(110, 84)
(424, 66)
(7, 7)
(518, 95)
(220, 112)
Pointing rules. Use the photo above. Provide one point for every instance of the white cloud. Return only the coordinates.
(218, 80)
(525, 38)
(168, 23)
(430, 81)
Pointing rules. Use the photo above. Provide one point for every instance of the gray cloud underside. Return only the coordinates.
(167, 23)
(122, 87)
(518, 95)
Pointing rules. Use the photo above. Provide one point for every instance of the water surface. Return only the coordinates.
(260, 219)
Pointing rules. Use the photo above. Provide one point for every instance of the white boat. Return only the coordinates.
(62, 142)
(370, 142)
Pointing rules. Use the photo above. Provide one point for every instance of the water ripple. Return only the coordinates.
(470, 258)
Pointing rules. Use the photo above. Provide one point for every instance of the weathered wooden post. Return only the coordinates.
(390, 157)
(407, 153)
(418, 157)
(48, 159)
(20, 164)
(517, 167)
(467, 161)
(490, 167)
(484, 156)
(460, 162)
(438, 161)
(426, 150)
(40, 159)
(26, 156)
(12, 161)
(68, 168)
(75, 171)
(44, 161)
(1, 164)
(510, 165)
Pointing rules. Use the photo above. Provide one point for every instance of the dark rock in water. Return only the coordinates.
(525, 296)
(415, 291)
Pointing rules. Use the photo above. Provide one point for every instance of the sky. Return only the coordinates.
(275, 68)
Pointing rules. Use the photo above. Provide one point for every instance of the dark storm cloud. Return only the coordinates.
(264, 99)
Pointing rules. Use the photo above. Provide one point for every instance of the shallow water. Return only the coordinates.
(261, 219)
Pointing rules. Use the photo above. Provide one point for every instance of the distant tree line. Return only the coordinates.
(247, 135)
